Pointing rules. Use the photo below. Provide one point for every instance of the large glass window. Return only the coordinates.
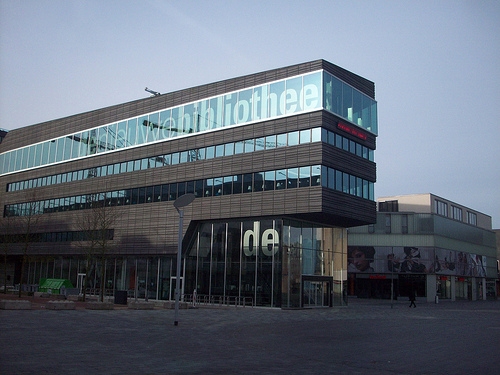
(176, 122)
(284, 97)
(276, 105)
(292, 100)
(230, 110)
(132, 132)
(164, 124)
(142, 129)
(121, 135)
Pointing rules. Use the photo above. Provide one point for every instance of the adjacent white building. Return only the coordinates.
(425, 243)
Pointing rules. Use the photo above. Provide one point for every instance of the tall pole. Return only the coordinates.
(392, 277)
(179, 203)
(178, 274)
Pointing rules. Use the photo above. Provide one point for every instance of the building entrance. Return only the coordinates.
(316, 293)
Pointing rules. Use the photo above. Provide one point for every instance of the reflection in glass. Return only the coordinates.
(131, 132)
(292, 180)
(292, 98)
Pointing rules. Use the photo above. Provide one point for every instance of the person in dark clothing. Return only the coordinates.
(412, 299)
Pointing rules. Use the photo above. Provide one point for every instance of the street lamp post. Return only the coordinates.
(182, 201)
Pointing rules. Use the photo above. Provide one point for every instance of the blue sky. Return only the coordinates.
(435, 64)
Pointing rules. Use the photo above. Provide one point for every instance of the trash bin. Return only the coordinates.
(120, 297)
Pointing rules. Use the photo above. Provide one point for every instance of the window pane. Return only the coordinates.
(219, 151)
(305, 136)
(281, 140)
(190, 187)
(176, 122)
(292, 180)
(181, 189)
(237, 184)
(173, 192)
(164, 124)
(249, 145)
(352, 147)
(165, 192)
(247, 183)
(243, 109)
(258, 182)
(316, 175)
(239, 147)
(346, 102)
(101, 139)
(131, 132)
(228, 185)
(275, 91)
(316, 135)
(229, 149)
(209, 187)
(260, 144)
(312, 91)
(111, 137)
(121, 135)
(305, 176)
(142, 129)
(210, 152)
(198, 188)
(269, 180)
(51, 154)
(218, 186)
(338, 181)
(293, 138)
(280, 179)
(157, 193)
(270, 142)
(230, 103)
(292, 95)
(189, 118)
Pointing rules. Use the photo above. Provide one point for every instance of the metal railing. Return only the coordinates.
(213, 300)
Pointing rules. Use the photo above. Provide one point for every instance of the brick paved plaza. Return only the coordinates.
(367, 337)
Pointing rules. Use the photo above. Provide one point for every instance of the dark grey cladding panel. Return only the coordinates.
(336, 158)
(347, 211)
(364, 85)
(315, 204)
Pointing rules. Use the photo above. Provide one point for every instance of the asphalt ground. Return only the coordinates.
(366, 337)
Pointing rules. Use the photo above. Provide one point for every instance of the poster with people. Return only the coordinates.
(411, 259)
(389, 259)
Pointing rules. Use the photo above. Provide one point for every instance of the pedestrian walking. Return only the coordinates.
(412, 299)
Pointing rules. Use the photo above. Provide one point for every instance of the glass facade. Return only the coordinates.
(291, 96)
(192, 155)
(141, 277)
(270, 262)
(289, 178)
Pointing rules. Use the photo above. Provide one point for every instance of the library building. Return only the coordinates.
(280, 163)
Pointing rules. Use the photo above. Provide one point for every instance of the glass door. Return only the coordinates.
(316, 293)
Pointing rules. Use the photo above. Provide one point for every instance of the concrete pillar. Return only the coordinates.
(452, 289)
(473, 296)
(431, 287)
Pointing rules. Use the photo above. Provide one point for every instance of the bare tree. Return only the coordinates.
(25, 221)
(96, 225)
(6, 239)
